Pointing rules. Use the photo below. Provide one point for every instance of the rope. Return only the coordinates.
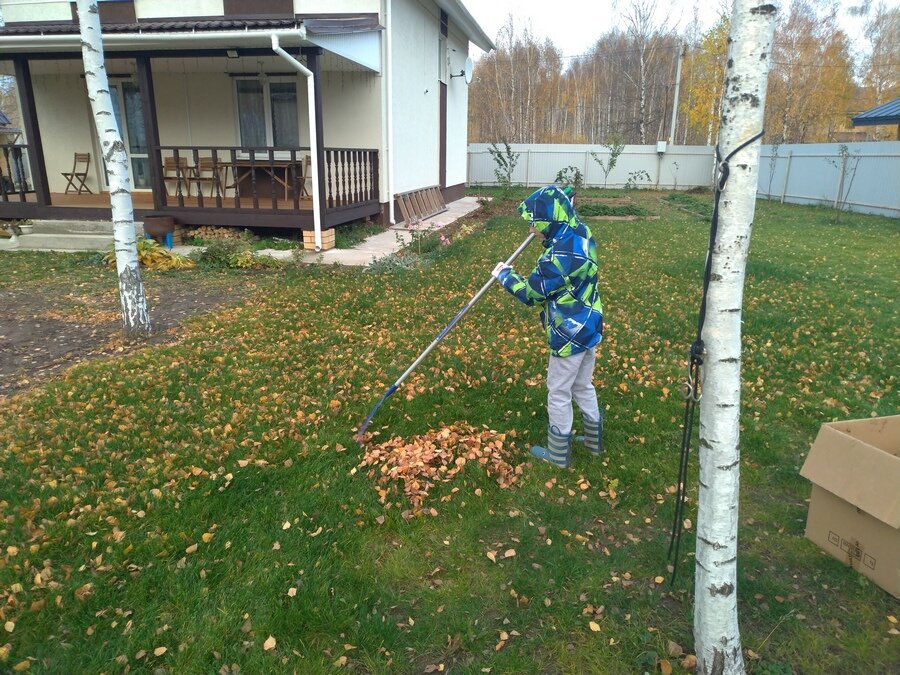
(692, 391)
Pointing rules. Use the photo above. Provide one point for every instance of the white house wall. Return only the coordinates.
(351, 105)
(457, 110)
(28, 10)
(416, 99)
(64, 117)
(155, 9)
(336, 6)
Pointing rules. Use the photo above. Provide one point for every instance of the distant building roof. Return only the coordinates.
(887, 113)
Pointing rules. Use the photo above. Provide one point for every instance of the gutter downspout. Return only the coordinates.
(313, 139)
(389, 74)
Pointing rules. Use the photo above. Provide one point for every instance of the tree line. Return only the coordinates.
(624, 88)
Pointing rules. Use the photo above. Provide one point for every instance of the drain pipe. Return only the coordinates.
(389, 74)
(313, 139)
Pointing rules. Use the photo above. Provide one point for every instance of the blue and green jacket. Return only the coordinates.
(564, 281)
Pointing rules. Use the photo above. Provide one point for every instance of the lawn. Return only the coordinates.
(198, 507)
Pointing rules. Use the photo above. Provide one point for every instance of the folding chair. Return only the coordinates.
(77, 176)
(177, 172)
(205, 172)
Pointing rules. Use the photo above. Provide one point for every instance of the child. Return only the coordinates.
(564, 285)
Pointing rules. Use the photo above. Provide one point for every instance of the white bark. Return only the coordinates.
(716, 633)
(135, 318)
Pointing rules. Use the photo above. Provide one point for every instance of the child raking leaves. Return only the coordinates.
(564, 285)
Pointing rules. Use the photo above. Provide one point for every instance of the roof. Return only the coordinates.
(457, 12)
(4, 120)
(887, 113)
(149, 26)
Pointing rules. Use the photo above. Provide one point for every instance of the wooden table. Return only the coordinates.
(278, 169)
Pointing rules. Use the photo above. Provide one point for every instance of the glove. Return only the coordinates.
(498, 270)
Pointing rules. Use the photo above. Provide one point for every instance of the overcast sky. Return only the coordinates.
(575, 25)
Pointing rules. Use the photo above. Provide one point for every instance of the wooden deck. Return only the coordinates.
(143, 200)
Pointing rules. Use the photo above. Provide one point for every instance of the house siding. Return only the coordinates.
(170, 9)
(336, 6)
(416, 100)
(457, 110)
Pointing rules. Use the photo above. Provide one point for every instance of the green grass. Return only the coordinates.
(111, 473)
(591, 210)
(352, 234)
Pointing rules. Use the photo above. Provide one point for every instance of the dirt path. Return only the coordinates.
(43, 332)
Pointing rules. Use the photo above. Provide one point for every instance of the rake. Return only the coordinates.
(434, 343)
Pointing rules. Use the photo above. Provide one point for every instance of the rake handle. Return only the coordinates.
(440, 336)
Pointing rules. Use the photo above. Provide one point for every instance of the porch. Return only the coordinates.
(262, 187)
(220, 135)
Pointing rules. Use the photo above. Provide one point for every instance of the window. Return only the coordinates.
(267, 113)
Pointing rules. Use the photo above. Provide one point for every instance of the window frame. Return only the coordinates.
(267, 110)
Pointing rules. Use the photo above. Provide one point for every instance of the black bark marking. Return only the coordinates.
(718, 664)
(725, 406)
(731, 63)
(725, 589)
(705, 444)
(701, 566)
(716, 277)
(729, 467)
(763, 9)
(725, 562)
(730, 359)
(716, 545)
(762, 57)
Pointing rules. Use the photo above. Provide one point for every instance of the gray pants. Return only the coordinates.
(571, 377)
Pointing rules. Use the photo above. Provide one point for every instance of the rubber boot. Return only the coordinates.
(558, 450)
(593, 436)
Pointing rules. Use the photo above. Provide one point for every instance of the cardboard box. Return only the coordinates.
(854, 511)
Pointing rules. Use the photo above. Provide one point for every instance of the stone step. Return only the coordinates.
(72, 227)
(64, 242)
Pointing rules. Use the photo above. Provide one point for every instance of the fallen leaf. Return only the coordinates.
(191, 549)
(492, 556)
(207, 537)
(159, 651)
(9, 626)
(892, 619)
(594, 626)
(674, 649)
(341, 661)
(286, 525)
(509, 553)
(269, 644)
(659, 580)
(665, 667)
(752, 654)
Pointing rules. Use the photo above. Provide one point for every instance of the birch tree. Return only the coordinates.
(716, 632)
(135, 319)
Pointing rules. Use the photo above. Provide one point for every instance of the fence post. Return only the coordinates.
(787, 173)
(528, 167)
(586, 156)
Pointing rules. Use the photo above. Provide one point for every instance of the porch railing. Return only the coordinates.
(15, 173)
(275, 179)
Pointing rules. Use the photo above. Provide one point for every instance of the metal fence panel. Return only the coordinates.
(868, 177)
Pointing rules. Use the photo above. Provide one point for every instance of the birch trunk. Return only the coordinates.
(716, 633)
(135, 318)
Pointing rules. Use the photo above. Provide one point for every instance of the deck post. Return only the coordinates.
(32, 131)
(151, 129)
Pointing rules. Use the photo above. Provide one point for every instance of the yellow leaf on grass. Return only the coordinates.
(269, 644)
(159, 651)
(286, 525)
(340, 662)
(665, 667)
(292, 592)
(191, 549)
(689, 662)
(594, 626)
(659, 580)
(892, 619)
(509, 553)
(9, 626)
(207, 537)
(492, 556)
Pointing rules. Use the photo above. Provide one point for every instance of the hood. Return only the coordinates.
(549, 211)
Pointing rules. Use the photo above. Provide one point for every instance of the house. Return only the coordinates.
(268, 113)
(886, 113)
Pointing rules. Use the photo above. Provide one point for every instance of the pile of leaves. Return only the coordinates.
(153, 256)
(437, 457)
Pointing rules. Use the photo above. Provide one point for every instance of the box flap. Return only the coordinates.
(859, 461)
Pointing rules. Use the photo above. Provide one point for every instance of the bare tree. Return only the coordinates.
(716, 632)
(135, 318)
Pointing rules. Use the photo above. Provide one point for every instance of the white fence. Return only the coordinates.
(868, 175)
